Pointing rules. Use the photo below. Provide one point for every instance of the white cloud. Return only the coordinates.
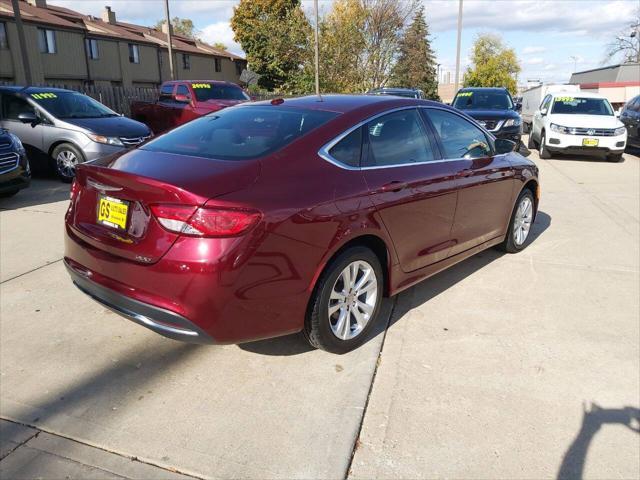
(533, 49)
(534, 61)
(550, 66)
(221, 32)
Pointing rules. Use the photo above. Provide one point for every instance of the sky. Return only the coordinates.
(550, 37)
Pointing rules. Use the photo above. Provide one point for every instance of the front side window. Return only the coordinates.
(460, 138)
(397, 138)
(166, 92)
(217, 64)
(570, 105)
(183, 90)
(240, 133)
(483, 100)
(13, 106)
(218, 91)
(92, 48)
(47, 40)
(134, 53)
(71, 105)
(4, 42)
(186, 61)
(348, 150)
(545, 103)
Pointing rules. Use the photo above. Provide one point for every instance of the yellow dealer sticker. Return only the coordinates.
(465, 94)
(565, 99)
(43, 96)
(200, 85)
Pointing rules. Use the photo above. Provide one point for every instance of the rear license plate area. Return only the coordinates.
(113, 212)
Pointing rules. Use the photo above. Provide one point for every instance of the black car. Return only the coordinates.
(630, 116)
(493, 108)
(15, 172)
(398, 92)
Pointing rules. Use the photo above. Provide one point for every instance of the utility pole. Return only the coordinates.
(458, 46)
(21, 41)
(169, 39)
(575, 62)
(317, 49)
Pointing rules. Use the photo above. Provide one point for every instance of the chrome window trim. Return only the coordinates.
(324, 150)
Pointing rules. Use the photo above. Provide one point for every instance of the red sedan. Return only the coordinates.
(270, 218)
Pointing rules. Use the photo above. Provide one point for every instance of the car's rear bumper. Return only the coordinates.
(160, 320)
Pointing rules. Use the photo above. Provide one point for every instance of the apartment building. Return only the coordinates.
(68, 47)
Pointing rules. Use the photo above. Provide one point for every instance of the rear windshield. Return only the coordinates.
(581, 106)
(240, 133)
(71, 105)
(479, 100)
(211, 91)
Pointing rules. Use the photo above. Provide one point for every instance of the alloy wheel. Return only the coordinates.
(66, 162)
(522, 221)
(353, 300)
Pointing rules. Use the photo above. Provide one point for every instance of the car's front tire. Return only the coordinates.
(543, 151)
(520, 223)
(531, 144)
(66, 158)
(345, 304)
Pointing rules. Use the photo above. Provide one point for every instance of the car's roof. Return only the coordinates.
(16, 89)
(347, 103)
(484, 89)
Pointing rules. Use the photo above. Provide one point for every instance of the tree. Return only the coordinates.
(276, 37)
(416, 64)
(219, 46)
(181, 26)
(626, 43)
(493, 64)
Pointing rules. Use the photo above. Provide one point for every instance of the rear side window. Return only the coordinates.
(397, 138)
(166, 92)
(182, 90)
(460, 138)
(240, 133)
(348, 150)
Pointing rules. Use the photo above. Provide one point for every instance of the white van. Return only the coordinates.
(578, 123)
(532, 98)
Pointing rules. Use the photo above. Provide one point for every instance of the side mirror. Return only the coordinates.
(543, 112)
(517, 107)
(504, 146)
(29, 117)
(180, 98)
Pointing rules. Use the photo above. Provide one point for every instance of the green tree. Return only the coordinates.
(181, 26)
(493, 64)
(219, 46)
(276, 37)
(416, 64)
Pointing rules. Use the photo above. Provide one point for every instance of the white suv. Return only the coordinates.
(579, 123)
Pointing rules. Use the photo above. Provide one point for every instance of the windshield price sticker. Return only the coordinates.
(200, 85)
(43, 96)
(465, 94)
(565, 99)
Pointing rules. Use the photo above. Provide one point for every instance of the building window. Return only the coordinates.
(47, 40)
(218, 64)
(186, 61)
(134, 53)
(92, 48)
(239, 68)
(4, 43)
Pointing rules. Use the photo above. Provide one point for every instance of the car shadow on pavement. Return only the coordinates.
(391, 310)
(120, 385)
(572, 466)
(43, 190)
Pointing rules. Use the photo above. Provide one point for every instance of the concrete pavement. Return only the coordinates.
(506, 366)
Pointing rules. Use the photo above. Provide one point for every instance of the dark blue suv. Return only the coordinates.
(15, 172)
(493, 108)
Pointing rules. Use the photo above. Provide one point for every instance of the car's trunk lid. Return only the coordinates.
(142, 178)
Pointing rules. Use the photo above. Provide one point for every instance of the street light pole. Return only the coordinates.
(458, 45)
(169, 39)
(575, 61)
(317, 50)
(21, 41)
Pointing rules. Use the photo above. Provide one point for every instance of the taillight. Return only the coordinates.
(205, 221)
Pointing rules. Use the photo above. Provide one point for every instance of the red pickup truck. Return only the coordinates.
(181, 101)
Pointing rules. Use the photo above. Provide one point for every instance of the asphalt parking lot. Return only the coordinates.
(505, 366)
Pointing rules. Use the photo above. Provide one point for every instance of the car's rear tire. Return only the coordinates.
(345, 303)
(531, 144)
(520, 223)
(543, 151)
(614, 157)
(66, 158)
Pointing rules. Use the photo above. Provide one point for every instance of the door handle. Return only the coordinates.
(394, 186)
(467, 172)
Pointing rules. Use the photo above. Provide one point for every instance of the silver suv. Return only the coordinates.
(64, 128)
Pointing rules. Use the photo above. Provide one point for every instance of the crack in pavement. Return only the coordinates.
(31, 271)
